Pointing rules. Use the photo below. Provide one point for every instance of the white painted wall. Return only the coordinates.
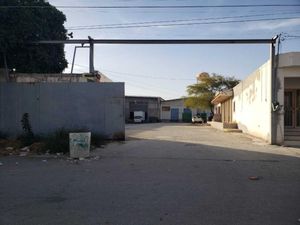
(252, 99)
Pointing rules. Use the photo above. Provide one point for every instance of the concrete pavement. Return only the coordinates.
(163, 174)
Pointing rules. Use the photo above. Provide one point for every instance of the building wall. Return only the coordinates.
(226, 111)
(149, 105)
(252, 99)
(176, 104)
(98, 107)
(287, 78)
(173, 104)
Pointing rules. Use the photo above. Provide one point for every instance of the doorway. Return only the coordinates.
(292, 108)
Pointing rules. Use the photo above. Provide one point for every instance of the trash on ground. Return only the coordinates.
(25, 149)
(9, 148)
(44, 160)
(23, 154)
(1, 164)
(253, 178)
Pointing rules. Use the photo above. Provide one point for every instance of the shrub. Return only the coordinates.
(3, 135)
(58, 141)
(98, 140)
(27, 138)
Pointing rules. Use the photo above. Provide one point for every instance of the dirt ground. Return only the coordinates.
(164, 173)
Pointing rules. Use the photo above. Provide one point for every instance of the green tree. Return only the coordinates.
(201, 94)
(21, 25)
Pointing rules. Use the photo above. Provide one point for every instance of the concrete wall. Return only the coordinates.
(252, 99)
(292, 82)
(53, 77)
(98, 107)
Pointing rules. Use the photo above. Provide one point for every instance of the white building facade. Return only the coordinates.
(253, 109)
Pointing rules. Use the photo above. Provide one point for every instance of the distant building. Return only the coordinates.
(148, 104)
(175, 110)
(223, 107)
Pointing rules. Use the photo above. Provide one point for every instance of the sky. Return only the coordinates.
(166, 70)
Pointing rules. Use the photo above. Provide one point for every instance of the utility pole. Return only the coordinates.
(273, 92)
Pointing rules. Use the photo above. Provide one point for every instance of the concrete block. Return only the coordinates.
(80, 144)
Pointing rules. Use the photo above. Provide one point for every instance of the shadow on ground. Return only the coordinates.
(153, 182)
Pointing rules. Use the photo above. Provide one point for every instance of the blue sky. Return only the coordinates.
(156, 70)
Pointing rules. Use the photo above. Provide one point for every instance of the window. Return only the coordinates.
(165, 108)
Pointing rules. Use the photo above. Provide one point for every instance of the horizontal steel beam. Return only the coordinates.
(160, 41)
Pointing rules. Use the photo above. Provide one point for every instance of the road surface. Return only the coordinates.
(163, 174)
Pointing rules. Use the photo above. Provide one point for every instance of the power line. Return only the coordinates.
(152, 6)
(186, 24)
(175, 21)
(141, 76)
(148, 77)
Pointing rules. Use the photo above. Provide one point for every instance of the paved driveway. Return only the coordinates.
(163, 174)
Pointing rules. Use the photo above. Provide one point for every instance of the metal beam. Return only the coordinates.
(74, 55)
(159, 41)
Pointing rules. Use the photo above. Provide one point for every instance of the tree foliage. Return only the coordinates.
(201, 94)
(20, 26)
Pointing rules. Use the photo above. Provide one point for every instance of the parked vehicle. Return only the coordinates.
(197, 119)
(203, 115)
(139, 116)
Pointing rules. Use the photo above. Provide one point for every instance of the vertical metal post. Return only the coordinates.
(73, 61)
(92, 70)
(273, 93)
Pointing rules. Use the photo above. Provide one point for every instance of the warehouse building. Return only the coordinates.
(149, 105)
(175, 110)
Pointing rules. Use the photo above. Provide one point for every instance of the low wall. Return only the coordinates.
(98, 107)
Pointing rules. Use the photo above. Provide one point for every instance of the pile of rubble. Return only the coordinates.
(12, 147)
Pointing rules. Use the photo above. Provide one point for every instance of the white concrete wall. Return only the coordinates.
(252, 99)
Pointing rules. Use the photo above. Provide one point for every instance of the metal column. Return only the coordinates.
(91, 42)
(273, 93)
